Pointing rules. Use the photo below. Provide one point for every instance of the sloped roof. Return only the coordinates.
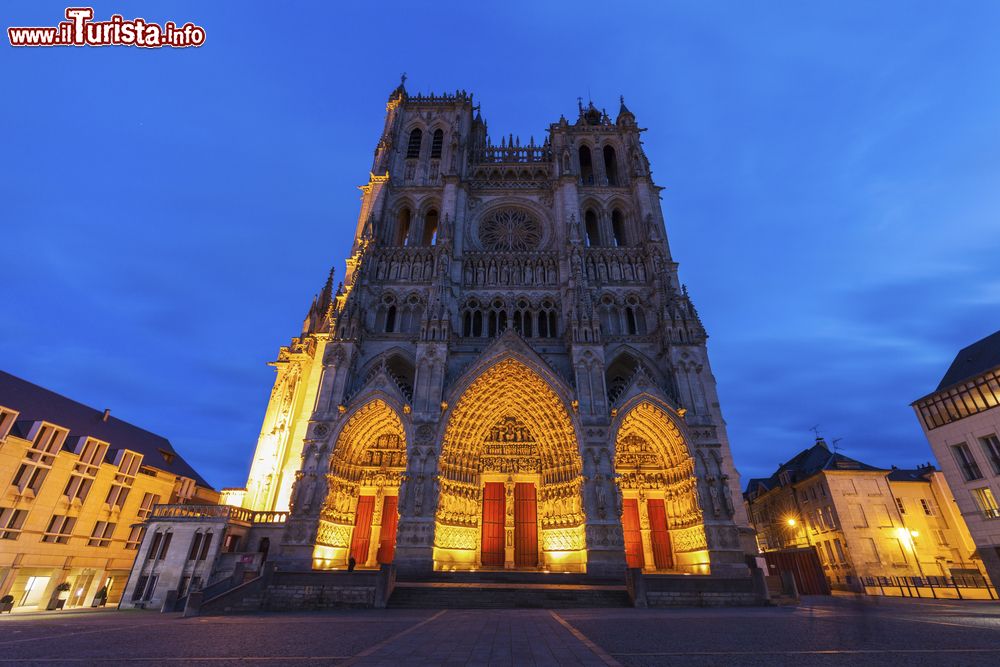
(36, 403)
(911, 475)
(973, 360)
(807, 463)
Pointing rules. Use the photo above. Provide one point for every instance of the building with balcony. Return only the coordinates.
(862, 521)
(961, 420)
(75, 486)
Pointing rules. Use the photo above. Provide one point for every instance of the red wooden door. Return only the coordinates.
(387, 535)
(525, 525)
(362, 529)
(633, 537)
(493, 522)
(659, 535)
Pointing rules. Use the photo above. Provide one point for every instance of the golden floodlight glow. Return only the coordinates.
(791, 522)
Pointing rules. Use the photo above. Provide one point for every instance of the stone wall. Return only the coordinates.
(299, 591)
(694, 591)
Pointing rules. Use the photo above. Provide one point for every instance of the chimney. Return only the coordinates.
(107, 414)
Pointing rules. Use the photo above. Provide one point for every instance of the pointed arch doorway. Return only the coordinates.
(510, 478)
(360, 515)
(662, 521)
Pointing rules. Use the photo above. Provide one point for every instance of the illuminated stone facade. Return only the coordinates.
(510, 375)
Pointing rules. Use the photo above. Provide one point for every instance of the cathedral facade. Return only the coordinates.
(510, 374)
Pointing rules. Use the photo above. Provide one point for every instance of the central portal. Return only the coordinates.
(509, 476)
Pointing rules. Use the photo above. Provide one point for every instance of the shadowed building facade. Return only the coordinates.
(510, 375)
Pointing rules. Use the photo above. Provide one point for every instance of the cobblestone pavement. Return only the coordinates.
(822, 631)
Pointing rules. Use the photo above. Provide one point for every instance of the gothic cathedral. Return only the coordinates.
(510, 375)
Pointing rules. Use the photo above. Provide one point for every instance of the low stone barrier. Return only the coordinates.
(304, 591)
(700, 591)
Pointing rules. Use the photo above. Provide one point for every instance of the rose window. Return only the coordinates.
(510, 229)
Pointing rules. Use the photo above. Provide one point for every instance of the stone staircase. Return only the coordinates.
(507, 590)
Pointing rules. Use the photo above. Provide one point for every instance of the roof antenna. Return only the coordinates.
(815, 429)
(835, 441)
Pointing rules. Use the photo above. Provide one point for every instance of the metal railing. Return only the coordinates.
(227, 512)
(934, 587)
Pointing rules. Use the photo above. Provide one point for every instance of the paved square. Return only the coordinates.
(821, 631)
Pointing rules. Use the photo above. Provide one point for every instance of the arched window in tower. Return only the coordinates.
(403, 227)
(390, 319)
(430, 227)
(403, 372)
(618, 374)
(436, 141)
(546, 321)
(412, 313)
(609, 314)
(634, 317)
(523, 318)
(586, 166)
(618, 228)
(611, 165)
(592, 231)
(497, 319)
(413, 148)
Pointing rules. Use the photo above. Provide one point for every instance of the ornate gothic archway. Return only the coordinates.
(661, 517)
(510, 477)
(360, 514)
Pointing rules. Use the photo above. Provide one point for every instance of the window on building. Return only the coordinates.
(159, 546)
(437, 141)
(413, 147)
(134, 538)
(849, 488)
(611, 165)
(205, 544)
(144, 587)
(430, 227)
(987, 502)
(900, 506)
(11, 521)
(390, 319)
(586, 166)
(829, 551)
(7, 419)
(101, 535)
(942, 540)
(60, 529)
(593, 237)
(195, 546)
(928, 507)
(38, 459)
(991, 447)
(966, 462)
(840, 551)
(618, 228)
(868, 552)
(882, 517)
(128, 466)
(858, 515)
(149, 501)
(231, 543)
(403, 227)
(897, 551)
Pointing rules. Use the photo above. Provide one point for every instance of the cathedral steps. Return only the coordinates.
(508, 590)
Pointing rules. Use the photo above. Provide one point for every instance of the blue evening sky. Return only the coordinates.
(832, 175)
